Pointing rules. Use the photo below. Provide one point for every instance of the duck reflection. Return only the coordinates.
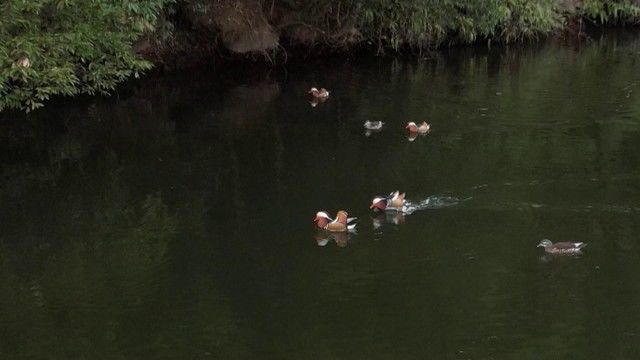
(388, 217)
(368, 132)
(413, 135)
(372, 127)
(315, 101)
(323, 238)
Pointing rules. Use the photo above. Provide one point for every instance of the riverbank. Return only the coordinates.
(194, 32)
(49, 55)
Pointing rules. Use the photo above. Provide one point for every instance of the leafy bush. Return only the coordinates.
(427, 23)
(611, 11)
(67, 47)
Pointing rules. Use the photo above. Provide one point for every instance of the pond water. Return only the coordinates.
(174, 219)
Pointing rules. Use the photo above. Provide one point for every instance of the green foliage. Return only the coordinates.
(528, 19)
(428, 23)
(67, 47)
(611, 11)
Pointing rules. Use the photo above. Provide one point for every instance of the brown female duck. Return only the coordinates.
(561, 248)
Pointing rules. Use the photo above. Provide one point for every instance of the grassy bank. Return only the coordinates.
(66, 47)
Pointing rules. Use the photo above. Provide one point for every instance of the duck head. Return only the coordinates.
(545, 243)
(322, 219)
(412, 127)
(378, 203)
(313, 91)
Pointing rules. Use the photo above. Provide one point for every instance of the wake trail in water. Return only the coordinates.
(432, 202)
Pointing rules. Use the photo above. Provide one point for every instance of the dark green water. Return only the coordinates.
(173, 221)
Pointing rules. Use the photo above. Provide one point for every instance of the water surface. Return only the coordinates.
(173, 220)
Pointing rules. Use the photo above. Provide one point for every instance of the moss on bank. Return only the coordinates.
(65, 47)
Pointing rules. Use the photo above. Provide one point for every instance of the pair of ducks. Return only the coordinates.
(343, 223)
(411, 126)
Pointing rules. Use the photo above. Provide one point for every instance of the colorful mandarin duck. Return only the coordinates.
(561, 248)
(422, 129)
(341, 223)
(321, 94)
(395, 201)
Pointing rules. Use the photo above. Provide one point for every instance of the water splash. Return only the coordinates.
(432, 202)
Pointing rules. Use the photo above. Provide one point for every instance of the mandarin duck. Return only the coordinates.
(341, 223)
(422, 129)
(394, 201)
(321, 94)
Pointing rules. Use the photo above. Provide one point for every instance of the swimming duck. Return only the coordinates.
(321, 94)
(373, 125)
(394, 201)
(561, 248)
(340, 224)
(422, 129)
(324, 221)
